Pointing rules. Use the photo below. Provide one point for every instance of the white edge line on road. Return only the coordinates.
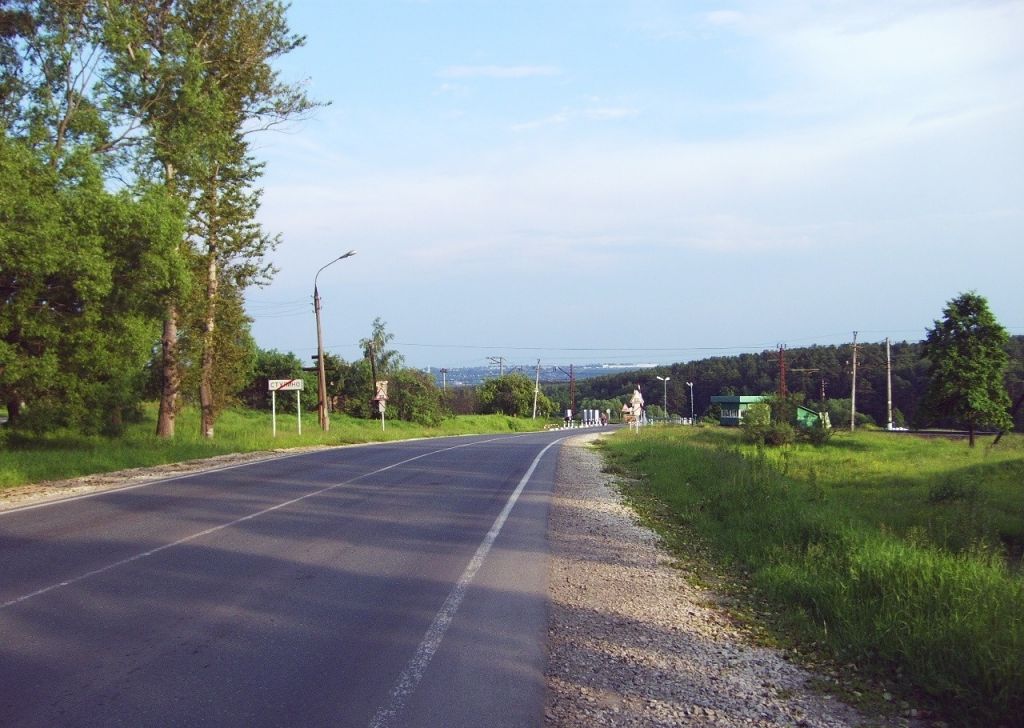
(146, 484)
(214, 529)
(417, 665)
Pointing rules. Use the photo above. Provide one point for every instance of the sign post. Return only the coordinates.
(381, 399)
(284, 385)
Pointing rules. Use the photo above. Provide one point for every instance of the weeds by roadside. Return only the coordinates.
(892, 555)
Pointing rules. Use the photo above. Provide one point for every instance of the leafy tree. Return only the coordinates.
(413, 396)
(382, 360)
(195, 77)
(967, 351)
(756, 422)
(272, 364)
(512, 394)
(81, 269)
(462, 400)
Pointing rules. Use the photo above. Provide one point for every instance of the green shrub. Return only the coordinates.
(780, 433)
(817, 434)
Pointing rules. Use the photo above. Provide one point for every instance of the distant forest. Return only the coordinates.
(809, 371)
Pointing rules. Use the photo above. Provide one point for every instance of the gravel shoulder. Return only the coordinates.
(632, 643)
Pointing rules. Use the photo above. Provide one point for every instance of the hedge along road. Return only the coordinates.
(386, 585)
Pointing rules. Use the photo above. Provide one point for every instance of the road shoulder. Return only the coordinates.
(631, 642)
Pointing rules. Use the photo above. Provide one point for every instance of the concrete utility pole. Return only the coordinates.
(853, 387)
(325, 422)
(664, 381)
(444, 380)
(572, 389)
(536, 390)
(888, 384)
(690, 385)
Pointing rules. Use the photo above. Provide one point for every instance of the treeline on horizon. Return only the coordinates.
(758, 373)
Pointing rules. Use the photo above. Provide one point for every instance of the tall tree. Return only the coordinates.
(77, 299)
(80, 270)
(967, 351)
(382, 360)
(198, 75)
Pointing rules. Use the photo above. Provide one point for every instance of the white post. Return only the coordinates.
(853, 387)
(536, 389)
(298, 407)
(273, 412)
(888, 383)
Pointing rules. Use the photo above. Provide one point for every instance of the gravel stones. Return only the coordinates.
(631, 643)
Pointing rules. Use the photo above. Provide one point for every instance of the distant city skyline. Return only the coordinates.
(653, 180)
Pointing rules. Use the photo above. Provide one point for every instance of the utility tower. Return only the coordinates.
(498, 361)
(783, 391)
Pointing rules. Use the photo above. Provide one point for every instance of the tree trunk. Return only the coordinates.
(171, 381)
(13, 411)
(206, 397)
(206, 402)
(970, 435)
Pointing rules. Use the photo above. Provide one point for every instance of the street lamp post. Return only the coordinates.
(690, 385)
(665, 381)
(321, 379)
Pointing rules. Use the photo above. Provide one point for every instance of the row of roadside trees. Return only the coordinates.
(128, 196)
(413, 395)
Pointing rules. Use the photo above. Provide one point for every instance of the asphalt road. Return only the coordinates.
(400, 584)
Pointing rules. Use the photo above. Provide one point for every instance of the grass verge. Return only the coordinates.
(61, 455)
(898, 555)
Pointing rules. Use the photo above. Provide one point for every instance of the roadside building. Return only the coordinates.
(733, 406)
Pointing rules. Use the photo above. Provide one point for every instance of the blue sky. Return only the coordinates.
(644, 181)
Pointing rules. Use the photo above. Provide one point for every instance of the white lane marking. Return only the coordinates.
(417, 665)
(214, 529)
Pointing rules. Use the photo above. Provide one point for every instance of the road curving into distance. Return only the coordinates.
(388, 585)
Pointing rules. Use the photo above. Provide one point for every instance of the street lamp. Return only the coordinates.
(321, 379)
(690, 385)
(665, 380)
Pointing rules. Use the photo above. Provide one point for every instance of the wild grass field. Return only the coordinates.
(899, 554)
(32, 459)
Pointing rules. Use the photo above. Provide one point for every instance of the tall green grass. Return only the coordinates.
(882, 549)
(28, 459)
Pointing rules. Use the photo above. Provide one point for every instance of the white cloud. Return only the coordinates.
(565, 116)
(724, 17)
(500, 72)
(837, 185)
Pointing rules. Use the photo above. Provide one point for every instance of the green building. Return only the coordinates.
(733, 406)
(806, 417)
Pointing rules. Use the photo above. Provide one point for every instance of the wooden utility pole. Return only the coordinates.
(853, 387)
(373, 375)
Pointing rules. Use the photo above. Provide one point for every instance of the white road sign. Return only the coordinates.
(283, 385)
